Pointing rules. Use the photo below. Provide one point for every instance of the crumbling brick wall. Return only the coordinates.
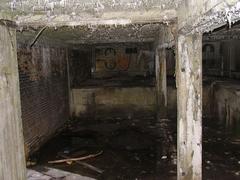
(44, 93)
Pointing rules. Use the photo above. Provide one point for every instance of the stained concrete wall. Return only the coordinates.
(44, 93)
(119, 66)
(221, 102)
(110, 60)
(221, 58)
(227, 105)
(129, 58)
(113, 101)
(80, 62)
(119, 101)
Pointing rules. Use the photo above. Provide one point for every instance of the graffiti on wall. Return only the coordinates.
(123, 59)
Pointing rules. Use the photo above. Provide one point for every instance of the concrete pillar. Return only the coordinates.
(189, 100)
(161, 92)
(12, 158)
(161, 83)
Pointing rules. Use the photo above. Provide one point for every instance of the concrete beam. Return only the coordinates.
(206, 15)
(167, 36)
(12, 158)
(107, 18)
(189, 103)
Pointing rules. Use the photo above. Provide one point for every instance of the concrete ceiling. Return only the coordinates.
(224, 33)
(91, 21)
(69, 36)
(78, 12)
(91, 6)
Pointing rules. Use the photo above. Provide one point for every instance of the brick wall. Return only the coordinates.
(44, 93)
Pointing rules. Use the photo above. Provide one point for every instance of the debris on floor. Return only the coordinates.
(121, 149)
(47, 173)
(133, 149)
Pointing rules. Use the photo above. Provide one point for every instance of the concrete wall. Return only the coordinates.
(119, 101)
(113, 101)
(44, 93)
(227, 105)
(130, 59)
(221, 58)
(80, 62)
(221, 102)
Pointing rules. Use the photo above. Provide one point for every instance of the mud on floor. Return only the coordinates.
(133, 149)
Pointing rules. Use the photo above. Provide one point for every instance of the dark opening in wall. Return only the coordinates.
(131, 51)
(221, 101)
(221, 53)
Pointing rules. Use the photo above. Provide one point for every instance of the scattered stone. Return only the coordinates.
(237, 173)
(31, 163)
(207, 167)
(227, 153)
(174, 161)
(136, 158)
(164, 157)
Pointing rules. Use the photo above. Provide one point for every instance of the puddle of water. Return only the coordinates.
(132, 150)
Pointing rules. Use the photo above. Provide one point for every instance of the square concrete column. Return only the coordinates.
(12, 157)
(161, 83)
(189, 103)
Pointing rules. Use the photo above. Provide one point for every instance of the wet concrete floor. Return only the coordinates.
(133, 149)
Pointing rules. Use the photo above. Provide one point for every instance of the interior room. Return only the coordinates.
(129, 89)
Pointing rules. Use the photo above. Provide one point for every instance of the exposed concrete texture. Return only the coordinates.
(80, 66)
(138, 100)
(166, 39)
(67, 12)
(207, 15)
(161, 83)
(12, 158)
(86, 6)
(221, 56)
(108, 18)
(226, 101)
(189, 101)
(130, 59)
(84, 100)
(122, 102)
(92, 34)
(166, 36)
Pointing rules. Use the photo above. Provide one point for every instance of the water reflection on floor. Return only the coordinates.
(132, 149)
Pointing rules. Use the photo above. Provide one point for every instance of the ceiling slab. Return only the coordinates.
(79, 12)
(92, 34)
